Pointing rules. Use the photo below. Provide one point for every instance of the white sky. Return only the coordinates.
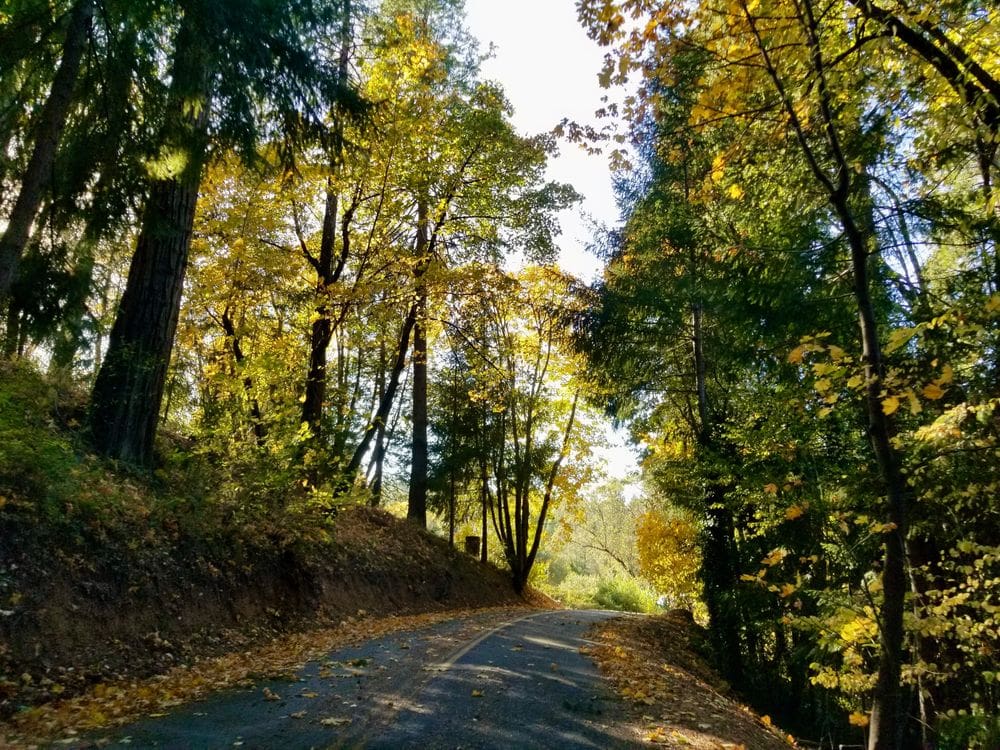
(548, 67)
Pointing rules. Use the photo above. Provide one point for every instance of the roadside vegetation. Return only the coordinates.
(268, 267)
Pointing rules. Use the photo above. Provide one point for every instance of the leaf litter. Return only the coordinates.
(116, 702)
(674, 696)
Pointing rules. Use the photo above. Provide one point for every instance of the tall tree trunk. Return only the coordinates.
(417, 500)
(47, 135)
(485, 499)
(322, 327)
(888, 716)
(129, 388)
(888, 712)
(326, 273)
(12, 333)
(256, 416)
(378, 453)
(385, 405)
(720, 571)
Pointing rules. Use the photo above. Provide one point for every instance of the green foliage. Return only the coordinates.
(969, 731)
(625, 595)
(36, 462)
(779, 196)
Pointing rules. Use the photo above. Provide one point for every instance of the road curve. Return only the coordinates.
(462, 684)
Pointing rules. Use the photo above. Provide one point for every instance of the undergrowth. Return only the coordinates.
(50, 482)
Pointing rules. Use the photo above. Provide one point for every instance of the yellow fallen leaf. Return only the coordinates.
(335, 721)
(477, 693)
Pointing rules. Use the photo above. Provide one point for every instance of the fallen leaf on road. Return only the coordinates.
(297, 715)
(334, 721)
(270, 695)
(126, 699)
(477, 693)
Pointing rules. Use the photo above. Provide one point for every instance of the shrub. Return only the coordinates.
(35, 460)
(624, 595)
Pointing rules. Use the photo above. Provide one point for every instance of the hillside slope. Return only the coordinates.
(75, 614)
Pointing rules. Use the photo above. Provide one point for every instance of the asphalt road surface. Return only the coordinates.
(461, 684)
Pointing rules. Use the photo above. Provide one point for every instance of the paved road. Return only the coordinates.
(461, 684)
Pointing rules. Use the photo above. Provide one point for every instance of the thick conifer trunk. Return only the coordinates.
(129, 387)
(47, 135)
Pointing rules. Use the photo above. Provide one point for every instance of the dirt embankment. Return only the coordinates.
(73, 619)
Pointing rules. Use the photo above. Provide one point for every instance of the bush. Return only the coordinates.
(624, 595)
(965, 731)
(35, 460)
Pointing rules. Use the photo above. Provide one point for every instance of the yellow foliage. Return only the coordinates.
(933, 391)
(775, 557)
(793, 512)
(858, 719)
(668, 553)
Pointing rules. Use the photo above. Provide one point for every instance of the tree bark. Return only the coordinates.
(326, 273)
(485, 490)
(322, 327)
(129, 388)
(417, 499)
(51, 122)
